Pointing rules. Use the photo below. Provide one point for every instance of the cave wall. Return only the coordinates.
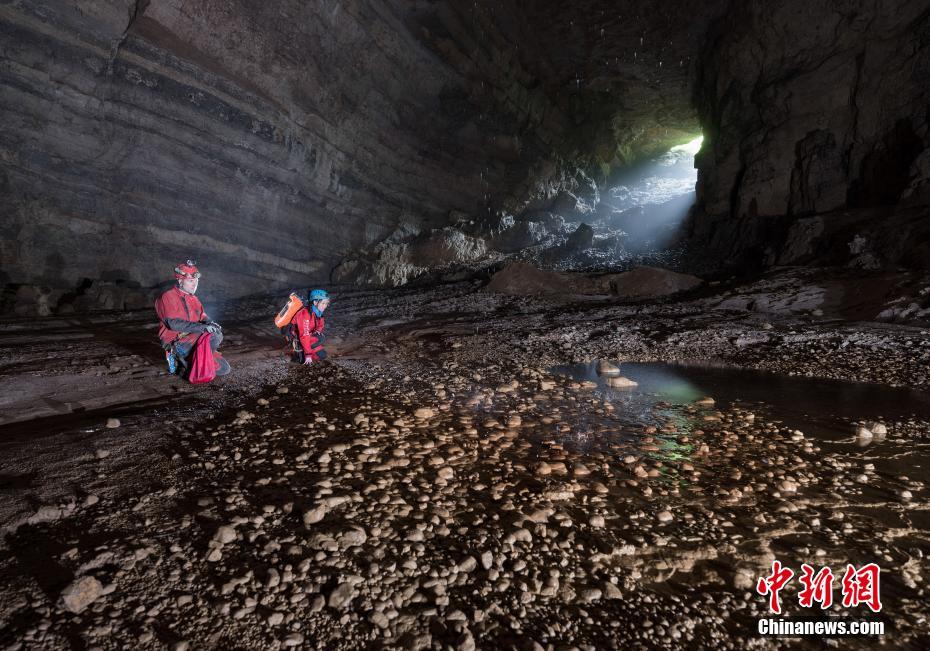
(271, 140)
(812, 108)
(274, 141)
(264, 140)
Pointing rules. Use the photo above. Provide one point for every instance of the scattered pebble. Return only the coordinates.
(81, 593)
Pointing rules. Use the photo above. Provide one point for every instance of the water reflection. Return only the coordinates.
(761, 489)
(824, 408)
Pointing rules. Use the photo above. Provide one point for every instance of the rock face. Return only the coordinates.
(277, 142)
(270, 140)
(808, 109)
(406, 256)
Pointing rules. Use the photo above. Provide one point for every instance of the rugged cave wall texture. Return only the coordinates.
(274, 141)
(269, 140)
(262, 138)
(817, 107)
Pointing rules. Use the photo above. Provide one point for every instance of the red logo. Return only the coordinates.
(773, 584)
(817, 587)
(859, 586)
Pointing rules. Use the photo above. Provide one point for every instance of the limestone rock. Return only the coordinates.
(81, 593)
(467, 565)
(607, 369)
(315, 514)
(224, 535)
(804, 167)
(878, 429)
(46, 513)
(787, 486)
(341, 596)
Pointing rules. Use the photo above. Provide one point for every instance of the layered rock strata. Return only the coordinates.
(270, 140)
(812, 108)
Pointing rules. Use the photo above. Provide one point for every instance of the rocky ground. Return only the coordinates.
(436, 484)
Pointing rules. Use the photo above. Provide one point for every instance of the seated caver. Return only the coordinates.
(302, 325)
(182, 320)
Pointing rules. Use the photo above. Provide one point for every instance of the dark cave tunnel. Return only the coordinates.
(628, 299)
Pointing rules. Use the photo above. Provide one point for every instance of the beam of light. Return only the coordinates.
(649, 202)
(638, 215)
(654, 182)
(692, 147)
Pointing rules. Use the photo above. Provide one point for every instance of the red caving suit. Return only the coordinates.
(310, 331)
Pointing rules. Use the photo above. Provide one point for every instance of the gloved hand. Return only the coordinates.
(308, 361)
(211, 327)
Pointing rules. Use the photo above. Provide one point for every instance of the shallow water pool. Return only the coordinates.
(824, 408)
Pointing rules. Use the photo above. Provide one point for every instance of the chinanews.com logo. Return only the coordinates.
(861, 587)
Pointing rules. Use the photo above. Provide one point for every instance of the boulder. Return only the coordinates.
(581, 239)
(650, 282)
(519, 236)
(521, 278)
(446, 246)
(407, 255)
(29, 300)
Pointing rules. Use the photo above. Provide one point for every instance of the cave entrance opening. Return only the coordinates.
(647, 203)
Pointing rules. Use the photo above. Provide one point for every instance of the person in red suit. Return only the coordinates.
(182, 320)
(307, 328)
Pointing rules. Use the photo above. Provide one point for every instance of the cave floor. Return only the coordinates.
(458, 476)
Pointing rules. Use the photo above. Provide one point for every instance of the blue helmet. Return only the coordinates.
(318, 295)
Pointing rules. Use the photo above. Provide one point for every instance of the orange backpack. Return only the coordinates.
(287, 312)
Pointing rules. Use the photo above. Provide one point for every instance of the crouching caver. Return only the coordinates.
(303, 328)
(182, 321)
